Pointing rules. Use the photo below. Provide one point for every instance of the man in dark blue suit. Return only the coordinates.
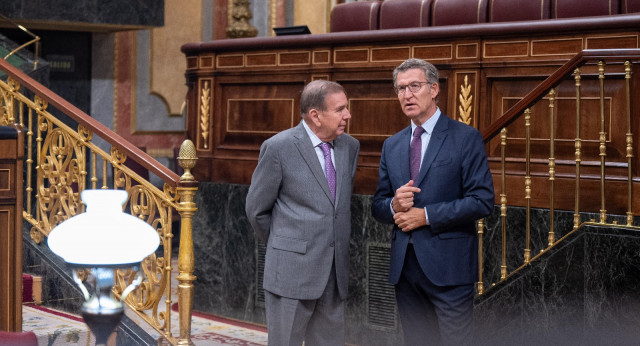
(434, 183)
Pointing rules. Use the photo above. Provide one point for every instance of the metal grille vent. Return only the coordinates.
(261, 251)
(381, 299)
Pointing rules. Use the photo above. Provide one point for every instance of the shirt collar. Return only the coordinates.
(430, 124)
(314, 138)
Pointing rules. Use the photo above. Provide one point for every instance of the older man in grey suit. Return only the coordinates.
(299, 202)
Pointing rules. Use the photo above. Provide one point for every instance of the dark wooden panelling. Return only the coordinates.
(398, 54)
(376, 117)
(11, 189)
(206, 62)
(616, 42)
(433, 52)
(266, 59)
(467, 51)
(6, 173)
(295, 58)
(259, 116)
(556, 47)
(192, 63)
(321, 57)
(351, 55)
(253, 111)
(506, 49)
(236, 60)
(256, 93)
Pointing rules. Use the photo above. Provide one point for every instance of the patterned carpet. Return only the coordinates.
(57, 328)
(213, 330)
(54, 328)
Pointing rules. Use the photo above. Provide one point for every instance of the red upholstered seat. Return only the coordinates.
(405, 13)
(582, 8)
(18, 339)
(355, 16)
(453, 12)
(630, 6)
(509, 10)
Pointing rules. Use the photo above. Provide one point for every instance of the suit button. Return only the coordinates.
(332, 244)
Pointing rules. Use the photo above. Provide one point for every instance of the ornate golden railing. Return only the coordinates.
(62, 161)
(598, 165)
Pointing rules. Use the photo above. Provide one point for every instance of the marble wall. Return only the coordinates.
(584, 291)
(586, 288)
(113, 12)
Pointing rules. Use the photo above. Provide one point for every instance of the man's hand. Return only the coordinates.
(403, 200)
(411, 219)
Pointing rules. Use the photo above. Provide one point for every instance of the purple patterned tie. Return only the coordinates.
(330, 171)
(415, 150)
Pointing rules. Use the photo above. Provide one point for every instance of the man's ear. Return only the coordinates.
(314, 116)
(435, 90)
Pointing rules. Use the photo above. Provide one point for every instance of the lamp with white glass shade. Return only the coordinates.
(104, 238)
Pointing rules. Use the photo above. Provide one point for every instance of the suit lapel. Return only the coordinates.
(340, 152)
(308, 152)
(435, 143)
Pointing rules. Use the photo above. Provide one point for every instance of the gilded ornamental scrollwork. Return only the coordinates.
(59, 179)
(60, 163)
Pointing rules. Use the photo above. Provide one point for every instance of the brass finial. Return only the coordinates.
(187, 159)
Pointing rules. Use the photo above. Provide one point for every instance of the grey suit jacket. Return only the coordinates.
(289, 206)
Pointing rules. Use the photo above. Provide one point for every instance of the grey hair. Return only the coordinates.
(430, 71)
(314, 94)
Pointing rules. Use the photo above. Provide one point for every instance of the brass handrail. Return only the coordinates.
(35, 41)
(62, 161)
(546, 94)
(541, 89)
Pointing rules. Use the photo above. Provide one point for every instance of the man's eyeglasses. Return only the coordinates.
(413, 87)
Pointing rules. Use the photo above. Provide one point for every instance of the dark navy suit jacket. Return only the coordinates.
(456, 188)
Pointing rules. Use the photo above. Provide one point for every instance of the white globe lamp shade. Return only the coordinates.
(104, 235)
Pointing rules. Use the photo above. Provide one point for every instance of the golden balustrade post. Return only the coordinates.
(503, 204)
(603, 144)
(36, 235)
(627, 77)
(186, 190)
(29, 188)
(552, 165)
(104, 174)
(578, 146)
(94, 169)
(480, 226)
(527, 184)
(21, 111)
